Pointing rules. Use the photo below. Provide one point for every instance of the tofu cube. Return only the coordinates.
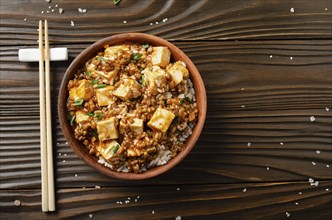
(161, 120)
(81, 117)
(178, 72)
(104, 96)
(111, 51)
(122, 127)
(161, 56)
(83, 91)
(107, 129)
(129, 89)
(107, 75)
(154, 77)
(107, 149)
(137, 126)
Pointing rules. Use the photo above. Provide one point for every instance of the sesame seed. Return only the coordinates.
(76, 175)
(66, 141)
(90, 215)
(120, 203)
(157, 22)
(56, 5)
(327, 109)
(311, 180)
(137, 197)
(17, 202)
(296, 203)
(151, 23)
(287, 214)
(313, 163)
(327, 189)
(248, 144)
(325, 9)
(128, 198)
(178, 218)
(244, 190)
(291, 58)
(316, 183)
(48, 1)
(59, 154)
(242, 89)
(42, 12)
(52, 10)
(267, 168)
(60, 10)
(117, 202)
(292, 10)
(84, 10)
(271, 56)
(312, 118)
(124, 22)
(47, 11)
(318, 151)
(97, 187)
(300, 193)
(135, 200)
(178, 189)
(25, 19)
(281, 143)
(127, 201)
(80, 10)
(327, 165)
(242, 106)
(57, 143)
(72, 24)
(49, 7)
(152, 212)
(64, 161)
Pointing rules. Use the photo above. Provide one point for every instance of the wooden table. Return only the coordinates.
(267, 68)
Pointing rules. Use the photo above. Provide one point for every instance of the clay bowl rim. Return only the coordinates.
(91, 51)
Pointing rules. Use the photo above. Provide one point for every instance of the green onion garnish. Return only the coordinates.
(136, 56)
(100, 58)
(90, 114)
(95, 134)
(190, 100)
(99, 116)
(72, 120)
(78, 102)
(99, 86)
(142, 81)
(182, 100)
(145, 46)
(88, 73)
(114, 149)
(94, 82)
(116, 2)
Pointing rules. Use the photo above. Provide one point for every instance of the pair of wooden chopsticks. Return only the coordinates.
(46, 149)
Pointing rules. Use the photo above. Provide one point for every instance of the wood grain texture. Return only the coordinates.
(278, 97)
(187, 20)
(230, 201)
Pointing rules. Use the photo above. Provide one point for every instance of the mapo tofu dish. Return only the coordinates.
(132, 107)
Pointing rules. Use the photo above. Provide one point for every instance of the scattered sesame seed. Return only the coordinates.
(316, 183)
(152, 212)
(311, 180)
(165, 19)
(325, 9)
(135, 200)
(76, 175)
(313, 163)
(56, 5)
(291, 58)
(17, 202)
(137, 197)
(65, 155)
(120, 203)
(281, 143)
(72, 23)
(127, 201)
(64, 161)
(327, 109)
(117, 202)
(66, 142)
(178, 218)
(90, 215)
(300, 193)
(157, 22)
(242, 106)
(327, 165)
(42, 12)
(248, 144)
(178, 189)
(25, 19)
(49, 7)
(242, 89)
(318, 151)
(312, 118)
(47, 11)
(268, 168)
(271, 56)
(151, 23)
(57, 143)
(80, 10)
(59, 154)
(48, 1)
(287, 214)
(128, 198)
(292, 10)
(60, 10)
(97, 187)
(84, 10)
(327, 189)
(296, 203)
(124, 22)
(244, 190)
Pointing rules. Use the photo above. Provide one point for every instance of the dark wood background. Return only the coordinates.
(266, 71)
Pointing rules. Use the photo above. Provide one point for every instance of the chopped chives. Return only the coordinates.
(94, 82)
(72, 120)
(145, 46)
(78, 102)
(88, 73)
(90, 114)
(136, 56)
(114, 149)
(116, 2)
(99, 116)
(99, 86)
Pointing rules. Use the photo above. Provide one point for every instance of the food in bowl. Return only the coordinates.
(132, 107)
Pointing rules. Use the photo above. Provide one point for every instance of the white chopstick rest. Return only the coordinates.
(32, 54)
